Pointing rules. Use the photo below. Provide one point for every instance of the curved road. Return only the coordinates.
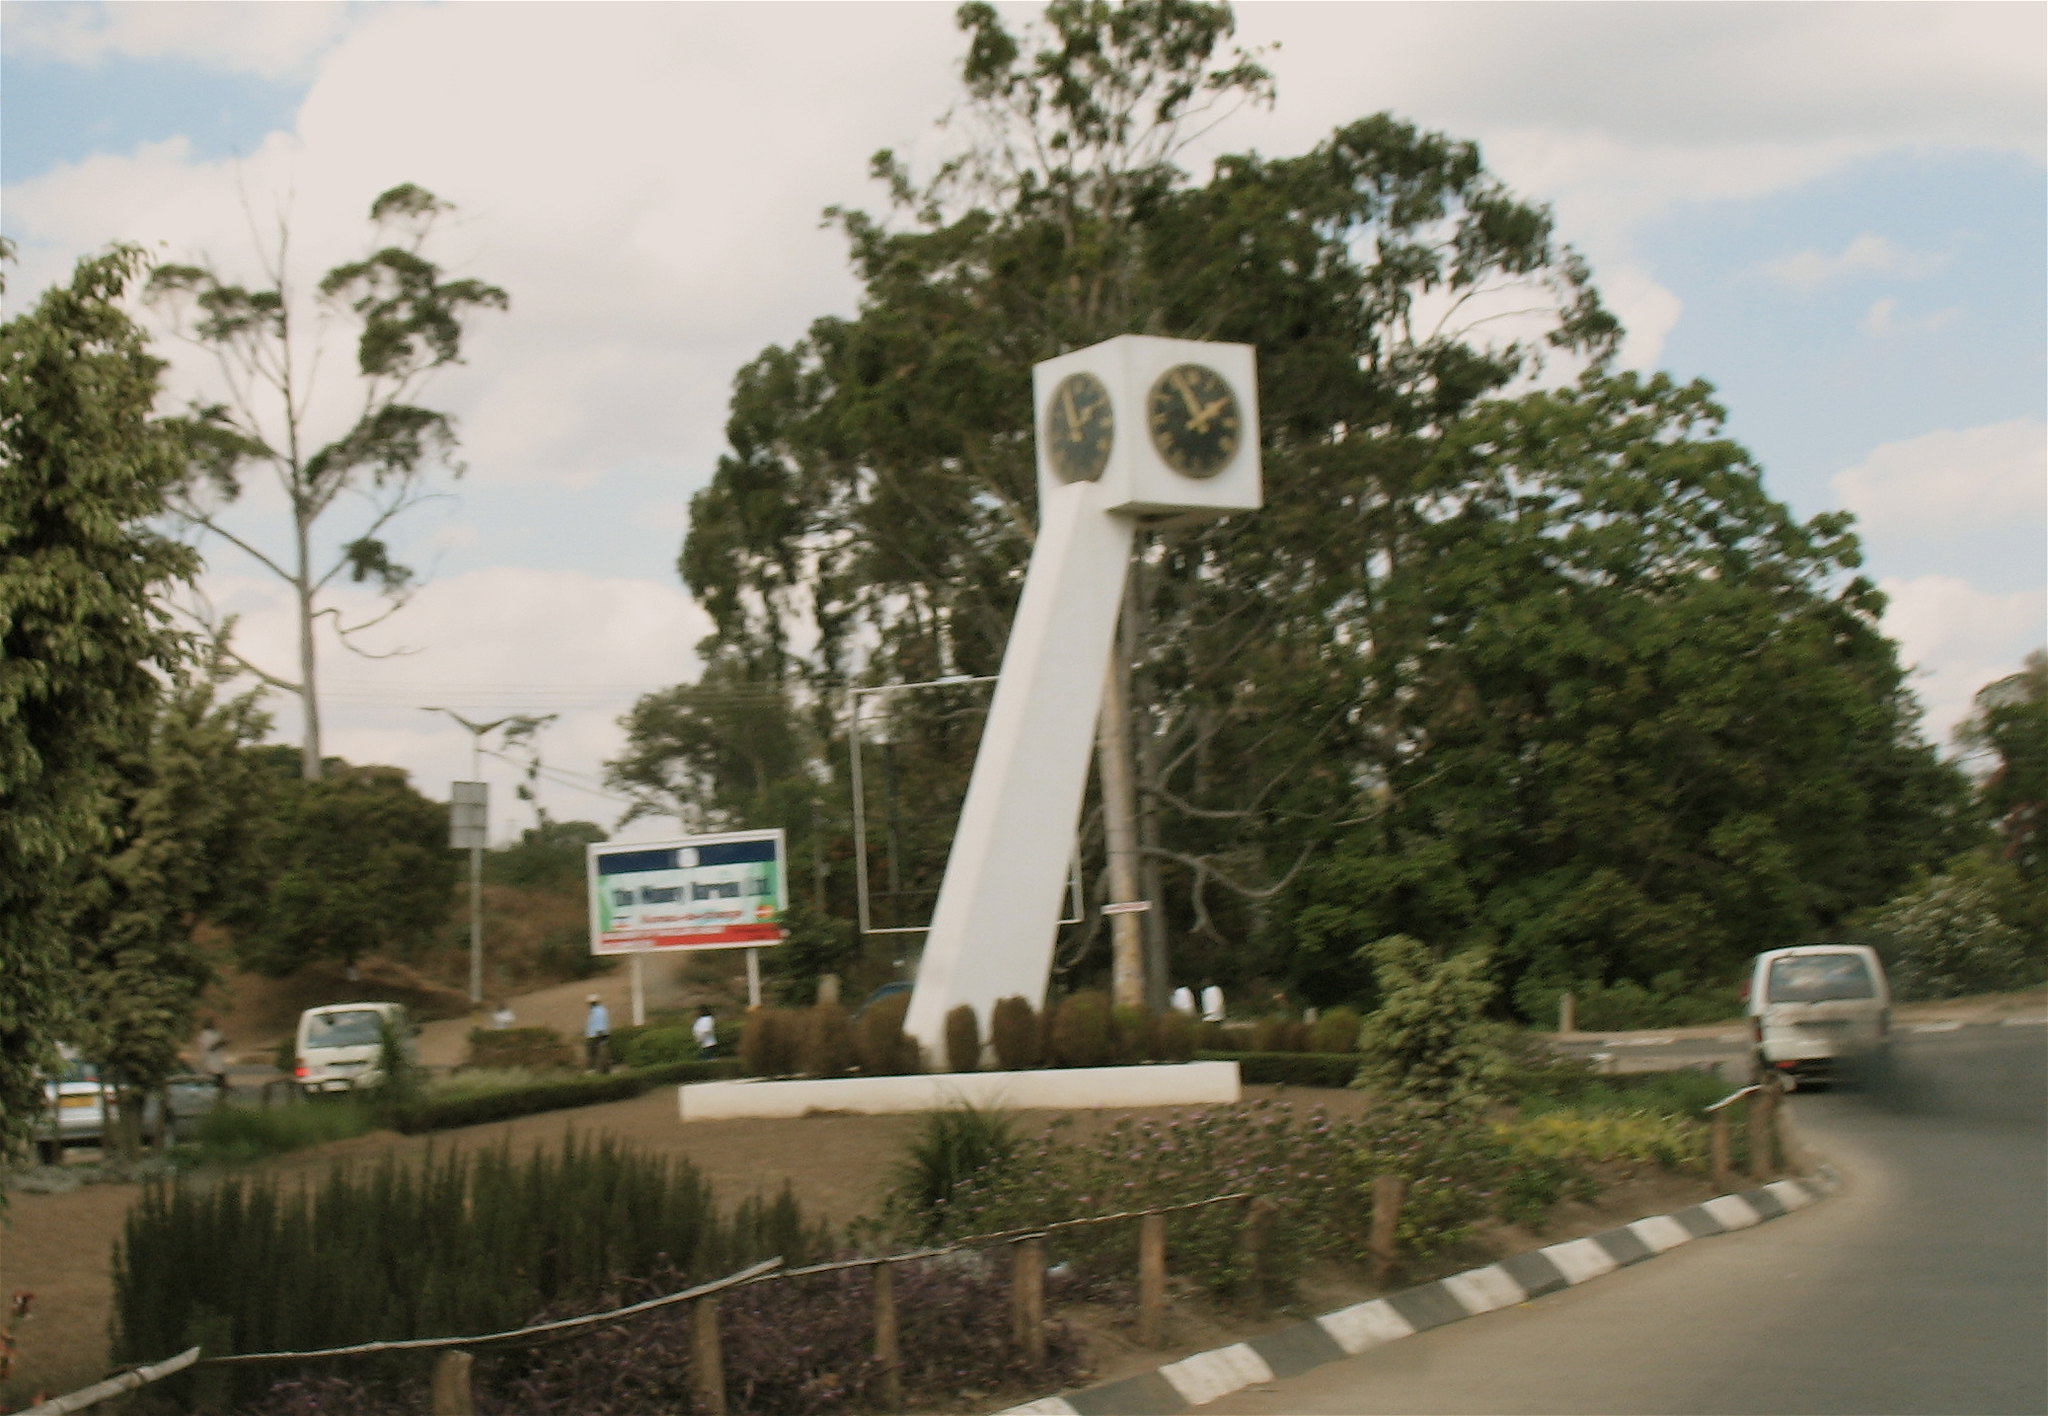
(1921, 1286)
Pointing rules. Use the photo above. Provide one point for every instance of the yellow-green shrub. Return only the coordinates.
(1628, 1137)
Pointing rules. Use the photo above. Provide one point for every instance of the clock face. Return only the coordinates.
(1195, 420)
(1080, 428)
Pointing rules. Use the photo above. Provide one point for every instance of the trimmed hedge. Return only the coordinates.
(413, 1118)
(1290, 1069)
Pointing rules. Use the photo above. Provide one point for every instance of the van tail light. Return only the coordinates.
(301, 1071)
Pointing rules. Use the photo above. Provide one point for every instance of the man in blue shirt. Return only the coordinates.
(597, 1034)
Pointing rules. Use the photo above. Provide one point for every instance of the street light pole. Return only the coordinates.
(476, 853)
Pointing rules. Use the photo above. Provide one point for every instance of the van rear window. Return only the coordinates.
(353, 1029)
(1820, 978)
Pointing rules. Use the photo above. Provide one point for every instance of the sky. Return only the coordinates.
(1834, 213)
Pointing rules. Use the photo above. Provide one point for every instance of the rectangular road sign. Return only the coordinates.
(469, 815)
(720, 891)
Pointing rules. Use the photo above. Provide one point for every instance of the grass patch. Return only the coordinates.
(1686, 1094)
(237, 1135)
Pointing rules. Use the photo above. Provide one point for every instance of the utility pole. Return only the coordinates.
(470, 827)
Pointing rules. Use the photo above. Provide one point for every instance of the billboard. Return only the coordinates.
(703, 892)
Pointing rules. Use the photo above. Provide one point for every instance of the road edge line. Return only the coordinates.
(1374, 1322)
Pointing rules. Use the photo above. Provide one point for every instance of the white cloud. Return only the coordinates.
(1618, 114)
(1957, 638)
(1952, 483)
(490, 644)
(272, 40)
(1809, 269)
(1883, 320)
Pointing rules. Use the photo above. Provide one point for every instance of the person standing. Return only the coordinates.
(597, 1037)
(705, 1030)
(213, 1054)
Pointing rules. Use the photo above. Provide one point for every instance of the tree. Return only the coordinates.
(550, 857)
(411, 320)
(2010, 723)
(1949, 936)
(1429, 1047)
(1630, 719)
(84, 469)
(186, 801)
(346, 865)
(874, 516)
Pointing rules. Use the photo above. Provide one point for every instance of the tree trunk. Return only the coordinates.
(309, 698)
(1120, 830)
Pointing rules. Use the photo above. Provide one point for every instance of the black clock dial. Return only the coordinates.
(1080, 428)
(1195, 420)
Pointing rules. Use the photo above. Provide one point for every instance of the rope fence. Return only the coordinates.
(451, 1395)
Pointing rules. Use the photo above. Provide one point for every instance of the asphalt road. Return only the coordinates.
(1922, 1286)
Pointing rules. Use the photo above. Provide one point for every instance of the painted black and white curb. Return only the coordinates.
(1195, 1381)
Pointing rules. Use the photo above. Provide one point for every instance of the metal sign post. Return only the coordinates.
(469, 822)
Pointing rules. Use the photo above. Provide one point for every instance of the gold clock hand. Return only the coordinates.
(1187, 394)
(1073, 416)
(1199, 422)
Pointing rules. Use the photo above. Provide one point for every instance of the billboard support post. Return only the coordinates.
(753, 978)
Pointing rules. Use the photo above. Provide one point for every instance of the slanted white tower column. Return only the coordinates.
(1129, 430)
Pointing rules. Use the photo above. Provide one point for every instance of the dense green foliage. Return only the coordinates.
(409, 321)
(183, 819)
(1429, 1047)
(1951, 934)
(342, 867)
(1652, 726)
(462, 1243)
(2010, 723)
(951, 1144)
(84, 469)
(549, 856)
(1550, 674)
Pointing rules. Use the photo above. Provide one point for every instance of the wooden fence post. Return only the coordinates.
(450, 1393)
(1027, 1295)
(1151, 1279)
(1253, 1247)
(888, 1346)
(1760, 1127)
(707, 1360)
(1724, 1173)
(1388, 1194)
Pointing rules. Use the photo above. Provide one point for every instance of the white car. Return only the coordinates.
(340, 1046)
(76, 1103)
(1816, 1009)
(79, 1099)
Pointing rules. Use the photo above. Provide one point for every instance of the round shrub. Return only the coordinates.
(885, 1050)
(963, 1040)
(769, 1041)
(1173, 1036)
(1081, 1031)
(826, 1047)
(1335, 1031)
(1017, 1034)
(1131, 1033)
